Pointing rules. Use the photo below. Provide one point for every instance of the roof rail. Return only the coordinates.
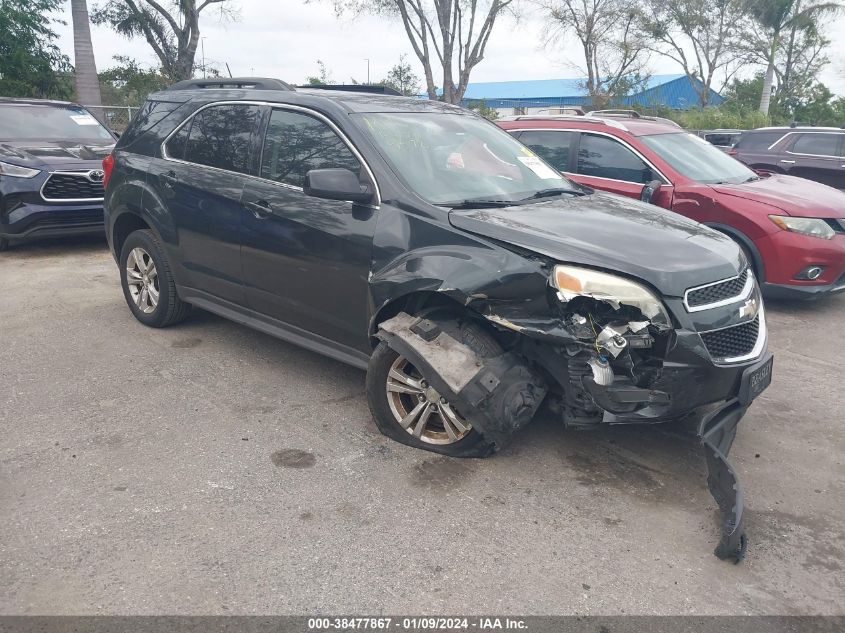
(631, 113)
(375, 89)
(564, 117)
(572, 110)
(253, 83)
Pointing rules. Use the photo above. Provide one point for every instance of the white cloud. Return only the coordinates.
(285, 38)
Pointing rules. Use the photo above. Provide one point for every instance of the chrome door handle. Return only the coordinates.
(168, 179)
(261, 209)
(788, 162)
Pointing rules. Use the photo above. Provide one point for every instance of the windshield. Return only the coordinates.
(450, 159)
(24, 122)
(697, 159)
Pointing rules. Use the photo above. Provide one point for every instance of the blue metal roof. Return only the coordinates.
(674, 91)
(540, 88)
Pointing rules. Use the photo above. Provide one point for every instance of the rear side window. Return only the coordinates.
(296, 143)
(603, 157)
(759, 140)
(551, 146)
(817, 144)
(176, 145)
(221, 136)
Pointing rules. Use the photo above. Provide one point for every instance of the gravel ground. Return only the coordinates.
(210, 469)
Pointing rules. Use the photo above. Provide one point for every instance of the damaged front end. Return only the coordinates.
(598, 349)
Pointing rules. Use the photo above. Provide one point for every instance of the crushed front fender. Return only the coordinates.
(498, 395)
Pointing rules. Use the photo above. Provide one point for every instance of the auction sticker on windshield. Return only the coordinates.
(540, 169)
(83, 119)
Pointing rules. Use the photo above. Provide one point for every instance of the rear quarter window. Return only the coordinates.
(143, 133)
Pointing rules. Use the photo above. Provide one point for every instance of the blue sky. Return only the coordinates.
(285, 38)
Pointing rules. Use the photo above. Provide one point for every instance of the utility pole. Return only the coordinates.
(367, 59)
(202, 44)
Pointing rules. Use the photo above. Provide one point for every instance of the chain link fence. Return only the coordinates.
(115, 118)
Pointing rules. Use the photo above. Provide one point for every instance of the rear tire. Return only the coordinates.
(386, 412)
(148, 285)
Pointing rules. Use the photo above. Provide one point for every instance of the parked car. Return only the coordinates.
(816, 153)
(723, 139)
(418, 241)
(51, 172)
(791, 229)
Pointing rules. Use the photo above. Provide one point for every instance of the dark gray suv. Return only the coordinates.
(815, 153)
(422, 243)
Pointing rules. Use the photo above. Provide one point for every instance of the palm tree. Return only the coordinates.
(780, 16)
(87, 84)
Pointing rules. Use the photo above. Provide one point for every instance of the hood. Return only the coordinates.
(614, 233)
(791, 195)
(53, 154)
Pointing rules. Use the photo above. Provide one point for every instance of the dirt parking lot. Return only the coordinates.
(210, 469)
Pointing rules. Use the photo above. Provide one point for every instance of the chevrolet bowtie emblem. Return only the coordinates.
(749, 309)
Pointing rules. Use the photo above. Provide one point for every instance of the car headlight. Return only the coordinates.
(572, 282)
(805, 226)
(17, 171)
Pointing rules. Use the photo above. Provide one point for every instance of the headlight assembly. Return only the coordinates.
(7, 169)
(572, 281)
(814, 227)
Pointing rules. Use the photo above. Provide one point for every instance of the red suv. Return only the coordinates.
(791, 229)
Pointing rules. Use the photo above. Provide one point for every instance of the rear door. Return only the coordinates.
(605, 163)
(200, 179)
(306, 261)
(816, 156)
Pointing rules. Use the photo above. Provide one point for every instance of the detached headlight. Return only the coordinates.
(17, 171)
(572, 282)
(805, 226)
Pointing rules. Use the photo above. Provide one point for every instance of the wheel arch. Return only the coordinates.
(415, 301)
(748, 246)
(124, 225)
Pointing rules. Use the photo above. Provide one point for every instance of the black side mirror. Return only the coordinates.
(336, 184)
(650, 190)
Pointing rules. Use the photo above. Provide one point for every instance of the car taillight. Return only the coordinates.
(733, 151)
(108, 164)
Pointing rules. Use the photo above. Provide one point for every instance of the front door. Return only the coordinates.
(306, 261)
(200, 180)
(605, 163)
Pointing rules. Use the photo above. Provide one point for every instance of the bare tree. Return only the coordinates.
(173, 32)
(449, 35)
(782, 17)
(705, 37)
(85, 69)
(614, 53)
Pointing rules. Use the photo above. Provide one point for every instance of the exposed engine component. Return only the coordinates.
(602, 372)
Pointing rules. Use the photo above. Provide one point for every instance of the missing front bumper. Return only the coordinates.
(717, 431)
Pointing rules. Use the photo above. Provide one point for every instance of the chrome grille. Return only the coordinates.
(732, 342)
(714, 293)
(61, 187)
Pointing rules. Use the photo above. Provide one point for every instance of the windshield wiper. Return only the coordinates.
(555, 191)
(478, 203)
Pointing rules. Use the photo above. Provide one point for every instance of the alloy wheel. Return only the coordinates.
(420, 409)
(142, 279)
